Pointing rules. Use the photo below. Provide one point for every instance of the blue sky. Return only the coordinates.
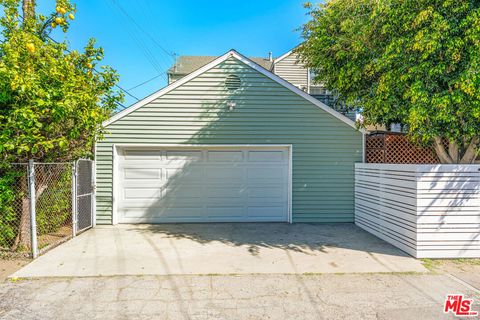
(138, 34)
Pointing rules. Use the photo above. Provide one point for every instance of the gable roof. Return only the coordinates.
(217, 61)
(283, 56)
(286, 54)
(188, 64)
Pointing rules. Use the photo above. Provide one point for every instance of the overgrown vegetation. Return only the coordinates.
(9, 194)
(411, 62)
(53, 206)
(53, 101)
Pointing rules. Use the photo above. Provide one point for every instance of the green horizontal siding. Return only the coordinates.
(324, 148)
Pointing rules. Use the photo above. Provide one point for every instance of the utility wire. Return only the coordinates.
(138, 39)
(166, 57)
(118, 103)
(142, 29)
(95, 70)
(145, 82)
(116, 85)
(148, 14)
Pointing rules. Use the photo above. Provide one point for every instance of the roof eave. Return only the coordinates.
(217, 61)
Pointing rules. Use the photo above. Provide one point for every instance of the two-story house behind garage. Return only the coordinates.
(287, 66)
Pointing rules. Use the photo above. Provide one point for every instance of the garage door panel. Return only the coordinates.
(226, 212)
(225, 202)
(143, 165)
(267, 156)
(149, 184)
(225, 191)
(268, 174)
(183, 155)
(141, 204)
(225, 156)
(133, 154)
(265, 211)
(129, 213)
(185, 174)
(234, 173)
(141, 193)
(182, 212)
(181, 192)
(157, 214)
(203, 185)
(142, 173)
(138, 212)
(267, 193)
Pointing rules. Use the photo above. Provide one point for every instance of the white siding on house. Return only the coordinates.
(174, 77)
(292, 70)
(429, 211)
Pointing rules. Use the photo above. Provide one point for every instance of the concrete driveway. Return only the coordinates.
(221, 249)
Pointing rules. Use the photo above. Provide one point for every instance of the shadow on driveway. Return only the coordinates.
(306, 238)
(221, 248)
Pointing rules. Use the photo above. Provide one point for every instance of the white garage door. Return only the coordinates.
(214, 184)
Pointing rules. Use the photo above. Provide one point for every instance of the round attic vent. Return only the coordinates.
(233, 82)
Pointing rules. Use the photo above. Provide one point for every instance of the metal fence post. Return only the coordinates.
(74, 198)
(94, 194)
(33, 214)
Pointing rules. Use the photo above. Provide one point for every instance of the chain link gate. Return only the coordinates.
(83, 196)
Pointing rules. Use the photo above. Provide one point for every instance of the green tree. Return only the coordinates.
(413, 62)
(52, 102)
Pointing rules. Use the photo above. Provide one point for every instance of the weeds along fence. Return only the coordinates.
(39, 205)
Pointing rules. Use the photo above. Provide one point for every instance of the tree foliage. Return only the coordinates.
(413, 62)
(8, 196)
(52, 102)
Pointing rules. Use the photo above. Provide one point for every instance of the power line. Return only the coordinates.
(116, 85)
(150, 56)
(148, 14)
(118, 103)
(146, 81)
(121, 105)
(140, 42)
(95, 70)
(141, 29)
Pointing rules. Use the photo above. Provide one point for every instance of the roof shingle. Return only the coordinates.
(187, 64)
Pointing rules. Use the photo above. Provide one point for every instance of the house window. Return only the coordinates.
(314, 90)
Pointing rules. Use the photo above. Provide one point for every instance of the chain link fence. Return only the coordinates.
(38, 206)
(15, 230)
(53, 204)
(84, 194)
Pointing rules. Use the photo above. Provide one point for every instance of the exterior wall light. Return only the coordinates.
(231, 105)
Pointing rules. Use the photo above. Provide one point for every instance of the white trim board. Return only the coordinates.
(114, 184)
(245, 60)
(283, 56)
(116, 147)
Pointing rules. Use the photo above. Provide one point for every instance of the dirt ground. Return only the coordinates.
(467, 270)
(9, 266)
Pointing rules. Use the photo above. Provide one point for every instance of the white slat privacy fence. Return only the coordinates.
(428, 211)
